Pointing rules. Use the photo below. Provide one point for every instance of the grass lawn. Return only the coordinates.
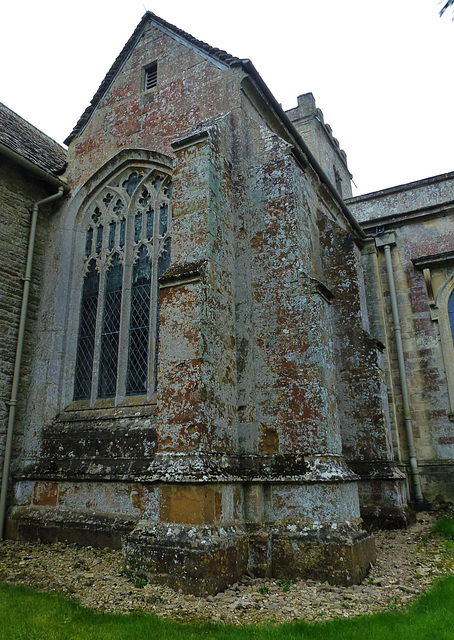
(26, 614)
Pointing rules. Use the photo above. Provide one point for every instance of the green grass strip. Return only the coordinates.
(444, 527)
(26, 614)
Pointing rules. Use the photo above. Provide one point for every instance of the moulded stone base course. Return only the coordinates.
(203, 559)
(437, 480)
(383, 517)
(31, 524)
(382, 494)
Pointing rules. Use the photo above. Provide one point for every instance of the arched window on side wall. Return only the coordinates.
(451, 313)
(126, 248)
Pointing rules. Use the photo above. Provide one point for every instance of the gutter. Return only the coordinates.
(30, 166)
(283, 117)
(19, 350)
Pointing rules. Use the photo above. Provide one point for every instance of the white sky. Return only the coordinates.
(381, 71)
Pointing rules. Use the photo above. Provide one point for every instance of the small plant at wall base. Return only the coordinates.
(444, 527)
(140, 583)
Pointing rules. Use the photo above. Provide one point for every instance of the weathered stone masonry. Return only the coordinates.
(22, 168)
(262, 435)
(418, 220)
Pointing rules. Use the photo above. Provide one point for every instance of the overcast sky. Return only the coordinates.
(382, 72)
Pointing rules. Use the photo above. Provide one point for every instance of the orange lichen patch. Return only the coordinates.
(268, 441)
(190, 504)
(45, 494)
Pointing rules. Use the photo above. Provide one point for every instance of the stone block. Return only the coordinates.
(339, 556)
(194, 559)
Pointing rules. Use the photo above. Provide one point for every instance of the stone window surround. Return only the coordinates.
(438, 302)
(80, 261)
(149, 77)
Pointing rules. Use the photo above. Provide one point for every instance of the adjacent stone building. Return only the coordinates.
(206, 381)
(30, 166)
(416, 222)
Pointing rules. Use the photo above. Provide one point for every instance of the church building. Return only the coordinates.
(212, 355)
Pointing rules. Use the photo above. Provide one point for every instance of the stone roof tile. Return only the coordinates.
(30, 143)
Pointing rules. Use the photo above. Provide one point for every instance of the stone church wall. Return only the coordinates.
(421, 218)
(18, 191)
(267, 376)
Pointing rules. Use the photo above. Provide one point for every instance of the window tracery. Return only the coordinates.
(126, 249)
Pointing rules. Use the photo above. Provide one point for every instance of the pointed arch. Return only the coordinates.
(125, 226)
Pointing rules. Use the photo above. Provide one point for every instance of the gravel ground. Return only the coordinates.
(407, 564)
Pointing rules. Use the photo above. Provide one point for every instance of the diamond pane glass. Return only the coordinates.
(139, 325)
(145, 198)
(157, 182)
(107, 199)
(110, 331)
(86, 345)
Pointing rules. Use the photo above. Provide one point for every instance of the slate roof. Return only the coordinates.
(30, 143)
(217, 54)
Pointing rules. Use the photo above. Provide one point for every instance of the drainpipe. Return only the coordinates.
(19, 349)
(386, 240)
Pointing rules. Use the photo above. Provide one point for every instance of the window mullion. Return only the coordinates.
(124, 327)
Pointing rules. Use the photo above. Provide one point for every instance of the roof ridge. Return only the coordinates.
(219, 54)
(214, 51)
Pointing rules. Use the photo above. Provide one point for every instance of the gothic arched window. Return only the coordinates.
(127, 247)
(451, 313)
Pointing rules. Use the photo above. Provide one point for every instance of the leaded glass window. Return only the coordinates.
(139, 324)
(86, 346)
(126, 247)
(451, 313)
(110, 335)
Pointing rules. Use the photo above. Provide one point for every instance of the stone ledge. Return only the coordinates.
(43, 524)
(187, 467)
(388, 517)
